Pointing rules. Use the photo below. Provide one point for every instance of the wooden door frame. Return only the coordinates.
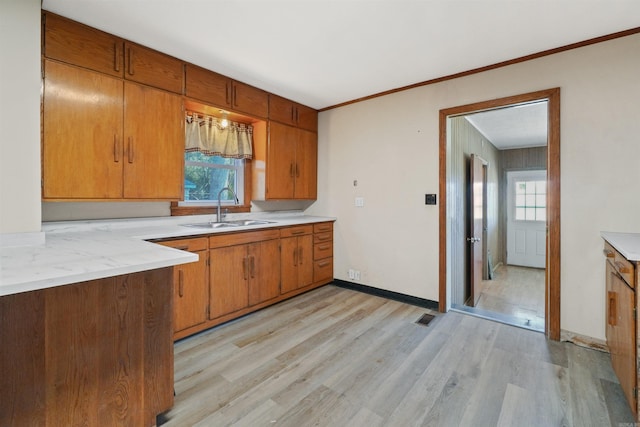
(552, 276)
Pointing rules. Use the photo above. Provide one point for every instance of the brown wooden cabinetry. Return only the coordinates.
(221, 91)
(291, 113)
(296, 258)
(91, 353)
(290, 164)
(108, 139)
(621, 330)
(78, 44)
(244, 270)
(190, 285)
(153, 68)
(323, 252)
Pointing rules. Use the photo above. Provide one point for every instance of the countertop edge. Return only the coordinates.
(628, 244)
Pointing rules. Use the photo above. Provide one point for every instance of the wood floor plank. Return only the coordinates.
(336, 357)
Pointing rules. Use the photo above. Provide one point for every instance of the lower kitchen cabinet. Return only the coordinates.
(296, 258)
(323, 252)
(241, 272)
(93, 353)
(244, 270)
(621, 328)
(190, 285)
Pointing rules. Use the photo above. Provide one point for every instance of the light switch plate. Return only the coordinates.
(359, 202)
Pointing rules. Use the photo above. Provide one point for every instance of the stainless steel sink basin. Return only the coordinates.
(233, 223)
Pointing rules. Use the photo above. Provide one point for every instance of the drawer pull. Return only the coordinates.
(613, 303)
(323, 263)
(608, 253)
(324, 247)
(297, 232)
(182, 248)
(621, 267)
(319, 237)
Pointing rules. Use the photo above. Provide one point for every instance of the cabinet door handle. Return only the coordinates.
(180, 283)
(607, 253)
(129, 62)
(244, 268)
(297, 171)
(300, 259)
(613, 305)
(235, 95)
(253, 266)
(116, 151)
(291, 170)
(227, 94)
(116, 58)
(130, 149)
(297, 114)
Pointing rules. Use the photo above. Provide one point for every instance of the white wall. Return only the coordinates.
(390, 145)
(20, 84)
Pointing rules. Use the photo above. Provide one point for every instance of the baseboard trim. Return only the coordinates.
(396, 296)
(584, 341)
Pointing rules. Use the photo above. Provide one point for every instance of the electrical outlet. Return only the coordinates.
(352, 274)
(356, 275)
(359, 202)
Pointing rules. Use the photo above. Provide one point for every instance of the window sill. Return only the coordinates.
(177, 210)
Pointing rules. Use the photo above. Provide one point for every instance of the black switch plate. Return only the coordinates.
(429, 199)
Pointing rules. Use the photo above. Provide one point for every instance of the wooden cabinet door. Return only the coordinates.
(306, 170)
(191, 293)
(78, 44)
(228, 280)
(282, 110)
(281, 157)
(289, 264)
(305, 260)
(153, 68)
(621, 333)
(264, 271)
(82, 152)
(208, 86)
(307, 118)
(250, 100)
(154, 144)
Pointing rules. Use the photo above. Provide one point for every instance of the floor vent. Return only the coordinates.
(425, 319)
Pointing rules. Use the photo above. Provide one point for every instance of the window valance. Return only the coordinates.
(211, 136)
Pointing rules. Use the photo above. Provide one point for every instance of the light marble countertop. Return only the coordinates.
(77, 251)
(628, 244)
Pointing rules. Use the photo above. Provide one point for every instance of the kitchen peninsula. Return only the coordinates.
(87, 316)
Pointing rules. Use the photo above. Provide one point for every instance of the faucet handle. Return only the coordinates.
(225, 212)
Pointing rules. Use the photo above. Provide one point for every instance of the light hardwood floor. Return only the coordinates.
(337, 357)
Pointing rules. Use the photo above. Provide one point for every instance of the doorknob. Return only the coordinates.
(473, 239)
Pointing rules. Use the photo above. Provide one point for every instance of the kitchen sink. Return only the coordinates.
(233, 223)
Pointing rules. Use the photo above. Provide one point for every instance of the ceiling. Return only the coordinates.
(518, 126)
(325, 52)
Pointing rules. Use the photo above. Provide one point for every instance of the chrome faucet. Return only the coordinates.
(218, 216)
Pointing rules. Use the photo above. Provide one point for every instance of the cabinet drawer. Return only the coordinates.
(190, 245)
(323, 227)
(322, 250)
(322, 237)
(323, 270)
(296, 231)
(621, 265)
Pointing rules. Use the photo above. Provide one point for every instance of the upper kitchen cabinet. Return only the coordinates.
(218, 90)
(153, 68)
(291, 113)
(285, 166)
(78, 44)
(104, 138)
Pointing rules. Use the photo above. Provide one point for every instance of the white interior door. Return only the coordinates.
(527, 218)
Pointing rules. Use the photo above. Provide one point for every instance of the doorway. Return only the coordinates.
(448, 212)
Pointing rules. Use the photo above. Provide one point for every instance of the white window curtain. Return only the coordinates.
(207, 135)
